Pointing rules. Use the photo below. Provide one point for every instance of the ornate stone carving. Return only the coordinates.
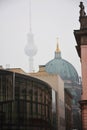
(82, 9)
(83, 16)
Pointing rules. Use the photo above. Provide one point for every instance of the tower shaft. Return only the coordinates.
(31, 65)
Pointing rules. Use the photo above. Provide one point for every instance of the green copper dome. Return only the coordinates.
(62, 67)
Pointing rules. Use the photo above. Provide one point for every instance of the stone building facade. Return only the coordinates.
(81, 39)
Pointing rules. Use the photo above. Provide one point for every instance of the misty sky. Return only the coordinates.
(50, 19)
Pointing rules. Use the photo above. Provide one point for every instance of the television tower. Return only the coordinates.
(30, 48)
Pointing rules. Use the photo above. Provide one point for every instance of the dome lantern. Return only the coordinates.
(57, 52)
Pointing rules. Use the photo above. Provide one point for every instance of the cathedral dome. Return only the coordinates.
(62, 67)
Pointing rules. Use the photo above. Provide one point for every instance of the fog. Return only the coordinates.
(49, 19)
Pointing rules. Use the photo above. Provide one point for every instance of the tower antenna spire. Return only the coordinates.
(30, 15)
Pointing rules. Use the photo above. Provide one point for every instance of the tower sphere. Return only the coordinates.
(30, 48)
